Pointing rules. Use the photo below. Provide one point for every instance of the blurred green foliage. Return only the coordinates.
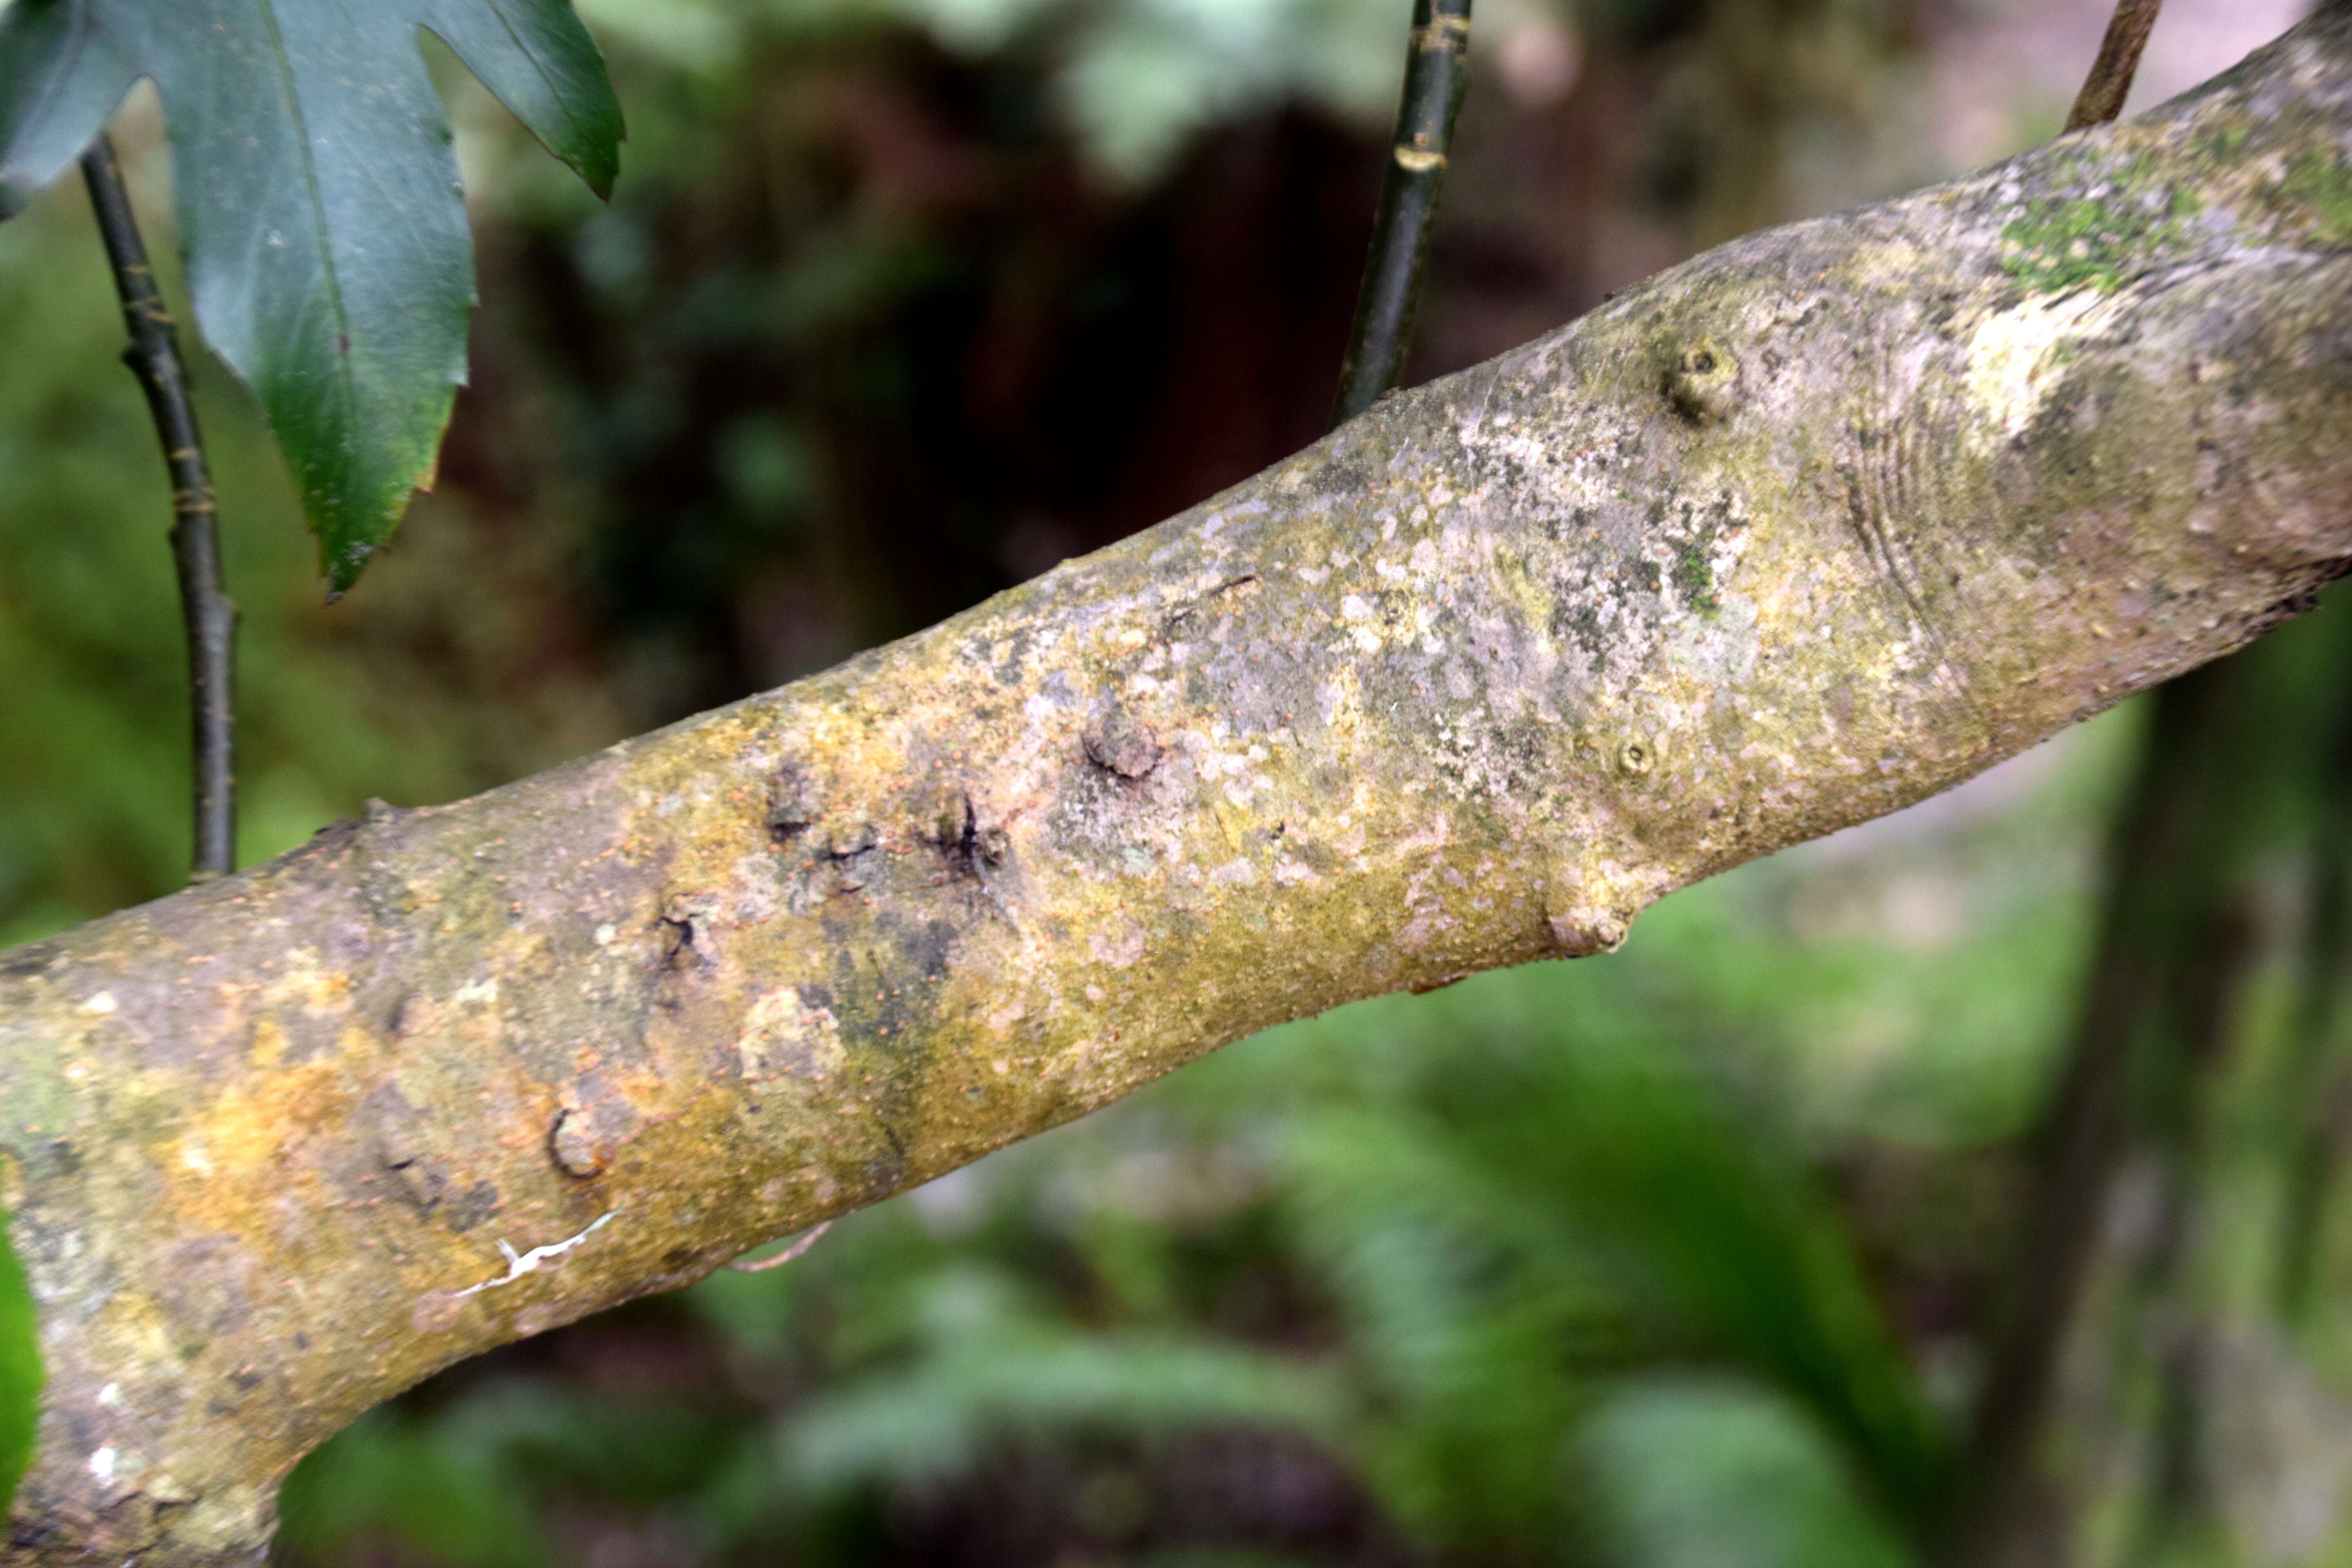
(1131, 80)
(1691, 1256)
(20, 1371)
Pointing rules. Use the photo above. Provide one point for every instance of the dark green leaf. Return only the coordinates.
(20, 1372)
(318, 203)
(541, 64)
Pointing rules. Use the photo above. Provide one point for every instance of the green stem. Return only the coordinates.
(154, 356)
(1436, 80)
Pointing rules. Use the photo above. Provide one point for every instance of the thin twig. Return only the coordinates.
(154, 356)
(1436, 79)
(2102, 94)
(807, 1240)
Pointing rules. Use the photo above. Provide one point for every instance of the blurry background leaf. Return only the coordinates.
(326, 239)
(1711, 1473)
(435, 1492)
(20, 1370)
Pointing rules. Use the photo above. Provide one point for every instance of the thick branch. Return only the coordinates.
(1800, 533)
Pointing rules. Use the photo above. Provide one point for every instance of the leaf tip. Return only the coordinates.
(344, 569)
(600, 169)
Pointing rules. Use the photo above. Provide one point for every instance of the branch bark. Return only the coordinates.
(1797, 533)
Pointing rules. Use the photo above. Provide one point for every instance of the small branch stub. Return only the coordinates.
(586, 1138)
(1577, 916)
(1704, 383)
(792, 805)
(1582, 933)
(808, 1238)
(1117, 744)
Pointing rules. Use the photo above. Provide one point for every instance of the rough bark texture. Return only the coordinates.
(1800, 533)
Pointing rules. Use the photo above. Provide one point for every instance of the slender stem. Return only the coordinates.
(154, 356)
(1436, 79)
(2102, 94)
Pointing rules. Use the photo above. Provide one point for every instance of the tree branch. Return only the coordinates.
(205, 608)
(1797, 533)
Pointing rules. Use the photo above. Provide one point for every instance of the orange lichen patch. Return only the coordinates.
(600, 1113)
(239, 1161)
(305, 986)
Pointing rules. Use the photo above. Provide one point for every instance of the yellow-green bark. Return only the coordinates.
(1800, 533)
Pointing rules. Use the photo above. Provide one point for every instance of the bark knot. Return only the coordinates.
(792, 804)
(945, 819)
(1703, 383)
(1119, 743)
(1582, 932)
(588, 1135)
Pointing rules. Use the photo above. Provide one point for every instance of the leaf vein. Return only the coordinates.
(554, 90)
(317, 202)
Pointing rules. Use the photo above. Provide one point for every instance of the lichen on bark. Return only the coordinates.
(1795, 534)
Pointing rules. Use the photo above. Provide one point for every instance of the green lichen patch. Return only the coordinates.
(2320, 188)
(2222, 144)
(1694, 578)
(2133, 222)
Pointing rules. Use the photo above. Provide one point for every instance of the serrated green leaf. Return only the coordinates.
(319, 202)
(20, 1371)
(541, 64)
